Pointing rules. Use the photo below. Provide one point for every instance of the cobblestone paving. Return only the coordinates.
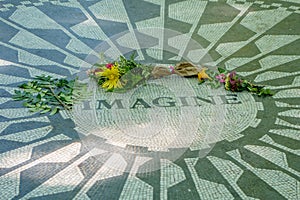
(257, 155)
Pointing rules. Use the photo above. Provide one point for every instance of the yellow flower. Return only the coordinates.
(113, 75)
(202, 75)
(227, 82)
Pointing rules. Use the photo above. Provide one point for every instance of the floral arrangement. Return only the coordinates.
(46, 94)
(109, 76)
(235, 83)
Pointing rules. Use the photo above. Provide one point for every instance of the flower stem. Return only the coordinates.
(58, 99)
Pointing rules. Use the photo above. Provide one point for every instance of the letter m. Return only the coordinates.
(117, 102)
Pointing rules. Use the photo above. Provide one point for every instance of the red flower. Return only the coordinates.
(109, 65)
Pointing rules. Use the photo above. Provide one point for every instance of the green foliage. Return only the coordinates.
(131, 73)
(100, 80)
(236, 83)
(136, 76)
(46, 94)
(221, 70)
(214, 83)
(201, 82)
(259, 90)
(125, 65)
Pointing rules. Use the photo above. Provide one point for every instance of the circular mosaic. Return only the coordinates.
(234, 145)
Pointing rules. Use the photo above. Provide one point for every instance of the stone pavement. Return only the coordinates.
(256, 153)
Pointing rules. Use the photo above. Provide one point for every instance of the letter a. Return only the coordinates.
(140, 102)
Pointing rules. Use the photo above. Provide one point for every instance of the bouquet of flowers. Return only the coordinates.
(47, 94)
(235, 83)
(109, 75)
(126, 74)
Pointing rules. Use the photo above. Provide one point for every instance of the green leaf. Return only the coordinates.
(18, 92)
(45, 111)
(132, 56)
(68, 99)
(18, 96)
(34, 109)
(54, 111)
(28, 105)
(201, 82)
(39, 96)
(24, 86)
(221, 70)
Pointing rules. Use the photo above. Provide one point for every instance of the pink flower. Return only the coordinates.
(109, 65)
(172, 69)
(221, 78)
(91, 72)
(232, 82)
(232, 74)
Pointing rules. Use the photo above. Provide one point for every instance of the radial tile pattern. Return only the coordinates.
(257, 155)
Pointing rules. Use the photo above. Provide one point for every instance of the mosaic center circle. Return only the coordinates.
(167, 113)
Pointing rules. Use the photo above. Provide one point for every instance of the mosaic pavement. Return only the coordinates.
(257, 154)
